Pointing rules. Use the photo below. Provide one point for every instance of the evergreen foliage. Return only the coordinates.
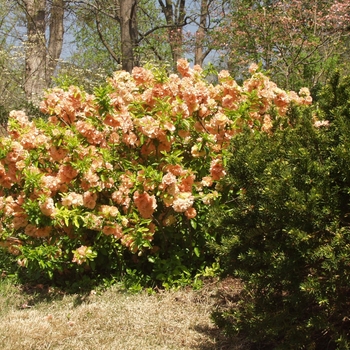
(286, 229)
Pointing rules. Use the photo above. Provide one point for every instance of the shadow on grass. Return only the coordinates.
(226, 294)
(219, 341)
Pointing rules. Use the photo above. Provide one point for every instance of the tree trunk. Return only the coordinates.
(175, 18)
(55, 38)
(199, 54)
(128, 27)
(41, 57)
(35, 49)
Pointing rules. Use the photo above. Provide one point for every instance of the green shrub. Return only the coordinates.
(286, 229)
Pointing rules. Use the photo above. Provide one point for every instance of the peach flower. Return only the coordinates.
(89, 199)
(207, 181)
(113, 230)
(168, 179)
(145, 204)
(187, 183)
(66, 173)
(108, 211)
(73, 199)
(79, 256)
(267, 125)
(217, 170)
(47, 207)
(190, 213)
(183, 201)
(20, 221)
(183, 67)
(196, 153)
(142, 75)
(253, 68)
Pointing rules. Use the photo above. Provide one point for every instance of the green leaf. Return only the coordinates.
(197, 251)
(151, 259)
(193, 223)
(76, 221)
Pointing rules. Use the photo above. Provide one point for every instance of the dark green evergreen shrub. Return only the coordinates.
(286, 229)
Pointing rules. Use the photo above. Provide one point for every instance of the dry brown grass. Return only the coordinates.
(110, 320)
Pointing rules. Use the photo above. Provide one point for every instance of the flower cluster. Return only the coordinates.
(138, 155)
(82, 254)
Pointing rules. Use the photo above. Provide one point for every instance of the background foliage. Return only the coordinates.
(300, 43)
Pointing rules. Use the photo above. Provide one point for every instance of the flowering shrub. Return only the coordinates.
(134, 166)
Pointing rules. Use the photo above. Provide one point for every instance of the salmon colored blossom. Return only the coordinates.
(191, 213)
(90, 180)
(253, 68)
(131, 139)
(114, 138)
(89, 199)
(142, 76)
(175, 169)
(183, 67)
(149, 126)
(66, 173)
(108, 211)
(73, 199)
(169, 126)
(168, 179)
(43, 232)
(93, 222)
(207, 181)
(148, 148)
(80, 254)
(113, 230)
(187, 183)
(217, 171)
(47, 207)
(145, 204)
(183, 201)
(196, 153)
(34, 231)
(20, 220)
(51, 183)
(121, 197)
(57, 153)
(20, 117)
(267, 125)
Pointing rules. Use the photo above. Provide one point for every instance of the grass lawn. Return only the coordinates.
(43, 318)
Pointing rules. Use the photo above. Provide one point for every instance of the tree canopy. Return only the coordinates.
(297, 42)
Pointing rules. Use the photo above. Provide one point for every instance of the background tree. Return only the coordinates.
(298, 42)
(207, 18)
(199, 53)
(128, 31)
(11, 60)
(42, 53)
(95, 42)
(165, 31)
(175, 15)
